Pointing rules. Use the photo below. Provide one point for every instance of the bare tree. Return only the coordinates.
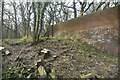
(28, 18)
(84, 7)
(15, 17)
(74, 8)
(25, 9)
(23, 18)
(2, 18)
(34, 27)
(2, 13)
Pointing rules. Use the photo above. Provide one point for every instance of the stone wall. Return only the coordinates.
(99, 29)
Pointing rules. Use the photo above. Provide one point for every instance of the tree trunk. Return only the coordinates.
(15, 15)
(28, 25)
(38, 22)
(74, 7)
(2, 18)
(41, 20)
(2, 13)
(34, 37)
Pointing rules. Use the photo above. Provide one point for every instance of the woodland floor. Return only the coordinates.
(74, 60)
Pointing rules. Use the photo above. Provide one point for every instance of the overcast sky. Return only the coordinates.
(63, 0)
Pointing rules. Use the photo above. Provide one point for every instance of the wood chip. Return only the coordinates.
(42, 72)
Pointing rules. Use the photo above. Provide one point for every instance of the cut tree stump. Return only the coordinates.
(42, 72)
(53, 74)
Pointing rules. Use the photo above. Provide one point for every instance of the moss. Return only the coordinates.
(23, 40)
(60, 38)
(16, 72)
(9, 73)
(5, 42)
(44, 38)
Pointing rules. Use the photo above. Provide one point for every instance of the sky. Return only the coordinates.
(62, 0)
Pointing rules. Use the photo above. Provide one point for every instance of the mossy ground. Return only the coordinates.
(74, 58)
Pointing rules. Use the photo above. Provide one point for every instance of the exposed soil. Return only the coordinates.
(74, 59)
